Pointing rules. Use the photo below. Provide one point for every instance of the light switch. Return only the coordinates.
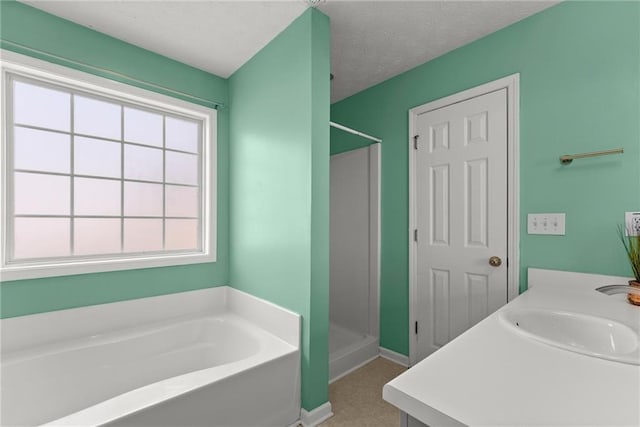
(546, 223)
(632, 223)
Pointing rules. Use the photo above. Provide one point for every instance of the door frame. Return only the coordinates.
(512, 84)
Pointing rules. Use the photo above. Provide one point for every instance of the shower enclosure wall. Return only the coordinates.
(353, 313)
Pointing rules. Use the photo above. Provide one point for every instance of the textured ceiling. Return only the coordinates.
(215, 36)
(371, 40)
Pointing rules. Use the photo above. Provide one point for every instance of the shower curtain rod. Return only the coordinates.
(353, 131)
(215, 104)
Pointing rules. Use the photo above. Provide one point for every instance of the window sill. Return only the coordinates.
(36, 271)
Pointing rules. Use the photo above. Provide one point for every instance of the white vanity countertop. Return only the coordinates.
(491, 375)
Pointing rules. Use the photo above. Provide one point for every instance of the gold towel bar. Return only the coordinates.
(568, 158)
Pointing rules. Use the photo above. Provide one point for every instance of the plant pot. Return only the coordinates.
(633, 298)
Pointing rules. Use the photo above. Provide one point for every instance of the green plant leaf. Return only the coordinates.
(632, 247)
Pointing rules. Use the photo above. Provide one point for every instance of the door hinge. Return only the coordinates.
(416, 328)
(415, 141)
(415, 235)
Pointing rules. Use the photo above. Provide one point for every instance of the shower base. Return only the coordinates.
(348, 350)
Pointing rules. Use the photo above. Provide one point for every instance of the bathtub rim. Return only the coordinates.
(39, 329)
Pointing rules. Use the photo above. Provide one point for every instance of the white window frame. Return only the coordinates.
(17, 64)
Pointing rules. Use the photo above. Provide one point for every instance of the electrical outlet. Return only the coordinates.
(546, 223)
(632, 223)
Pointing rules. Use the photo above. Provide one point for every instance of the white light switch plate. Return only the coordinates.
(632, 223)
(546, 223)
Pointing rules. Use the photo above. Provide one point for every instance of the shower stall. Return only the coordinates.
(354, 279)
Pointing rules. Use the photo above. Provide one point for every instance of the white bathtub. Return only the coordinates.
(215, 357)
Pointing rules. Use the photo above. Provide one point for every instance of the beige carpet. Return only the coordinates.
(356, 399)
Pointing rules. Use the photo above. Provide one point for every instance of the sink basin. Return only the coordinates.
(580, 333)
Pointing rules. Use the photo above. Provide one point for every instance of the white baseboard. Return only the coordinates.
(358, 366)
(352, 357)
(398, 358)
(316, 416)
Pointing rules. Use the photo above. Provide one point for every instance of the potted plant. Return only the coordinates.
(632, 247)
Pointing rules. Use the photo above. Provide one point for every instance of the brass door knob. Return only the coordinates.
(495, 261)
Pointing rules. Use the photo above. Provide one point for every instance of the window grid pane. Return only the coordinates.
(97, 160)
(164, 181)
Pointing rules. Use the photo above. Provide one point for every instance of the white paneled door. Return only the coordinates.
(461, 217)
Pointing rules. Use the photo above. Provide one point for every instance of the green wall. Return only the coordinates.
(315, 378)
(342, 141)
(279, 162)
(38, 30)
(579, 65)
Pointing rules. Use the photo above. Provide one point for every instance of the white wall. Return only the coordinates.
(350, 240)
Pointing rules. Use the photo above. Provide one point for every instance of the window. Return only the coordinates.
(101, 176)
